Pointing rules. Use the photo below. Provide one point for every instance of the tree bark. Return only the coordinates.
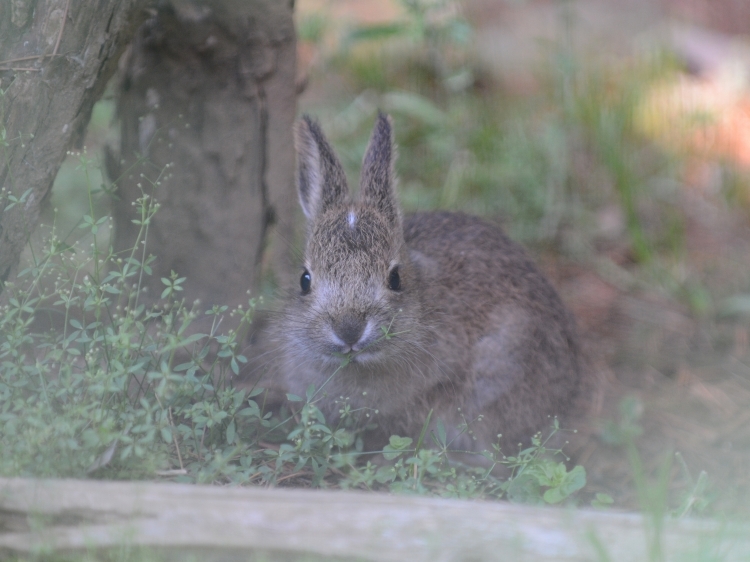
(208, 88)
(57, 56)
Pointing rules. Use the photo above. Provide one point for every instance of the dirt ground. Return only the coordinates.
(690, 375)
(687, 371)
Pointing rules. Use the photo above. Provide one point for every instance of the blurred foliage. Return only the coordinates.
(545, 161)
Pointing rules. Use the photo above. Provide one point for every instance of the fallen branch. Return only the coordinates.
(76, 516)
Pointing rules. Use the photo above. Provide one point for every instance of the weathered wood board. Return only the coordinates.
(214, 523)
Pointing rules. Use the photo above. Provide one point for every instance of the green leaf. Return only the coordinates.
(293, 398)
(571, 483)
(231, 432)
(524, 488)
(343, 438)
(390, 454)
(554, 495)
(166, 434)
(602, 500)
(442, 438)
(400, 443)
(310, 392)
(385, 474)
(396, 446)
(191, 338)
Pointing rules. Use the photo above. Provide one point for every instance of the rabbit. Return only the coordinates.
(403, 315)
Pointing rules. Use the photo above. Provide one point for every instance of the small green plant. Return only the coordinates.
(540, 479)
(535, 475)
(101, 391)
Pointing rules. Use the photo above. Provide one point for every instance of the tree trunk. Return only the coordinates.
(56, 58)
(208, 88)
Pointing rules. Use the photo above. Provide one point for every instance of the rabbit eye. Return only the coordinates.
(304, 282)
(394, 280)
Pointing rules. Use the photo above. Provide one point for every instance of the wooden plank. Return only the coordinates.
(233, 523)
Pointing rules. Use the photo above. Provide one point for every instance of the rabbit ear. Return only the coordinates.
(378, 179)
(321, 181)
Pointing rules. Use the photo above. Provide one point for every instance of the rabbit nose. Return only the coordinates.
(349, 328)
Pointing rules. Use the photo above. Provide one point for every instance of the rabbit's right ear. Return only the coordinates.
(321, 181)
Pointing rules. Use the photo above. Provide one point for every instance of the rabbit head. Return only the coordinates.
(356, 292)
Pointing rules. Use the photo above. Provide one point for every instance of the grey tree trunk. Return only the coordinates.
(208, 88)
(56, 57)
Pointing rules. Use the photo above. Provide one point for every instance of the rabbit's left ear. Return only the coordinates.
(377, 184)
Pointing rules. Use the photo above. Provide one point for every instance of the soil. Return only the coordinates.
(689, 373)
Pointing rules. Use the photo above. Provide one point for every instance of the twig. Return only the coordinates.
(19, 59)
(62, 28)
(292, 475)
(174, 437)
(20, 69)
(173, 472)
(34, 57)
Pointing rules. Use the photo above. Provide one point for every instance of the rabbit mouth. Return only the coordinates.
(363, 352)
(357, 354)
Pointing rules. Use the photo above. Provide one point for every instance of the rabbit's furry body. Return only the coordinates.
(466, 326)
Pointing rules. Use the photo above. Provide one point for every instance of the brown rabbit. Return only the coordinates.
(432, 311)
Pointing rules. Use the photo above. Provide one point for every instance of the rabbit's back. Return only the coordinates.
(497, 325)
